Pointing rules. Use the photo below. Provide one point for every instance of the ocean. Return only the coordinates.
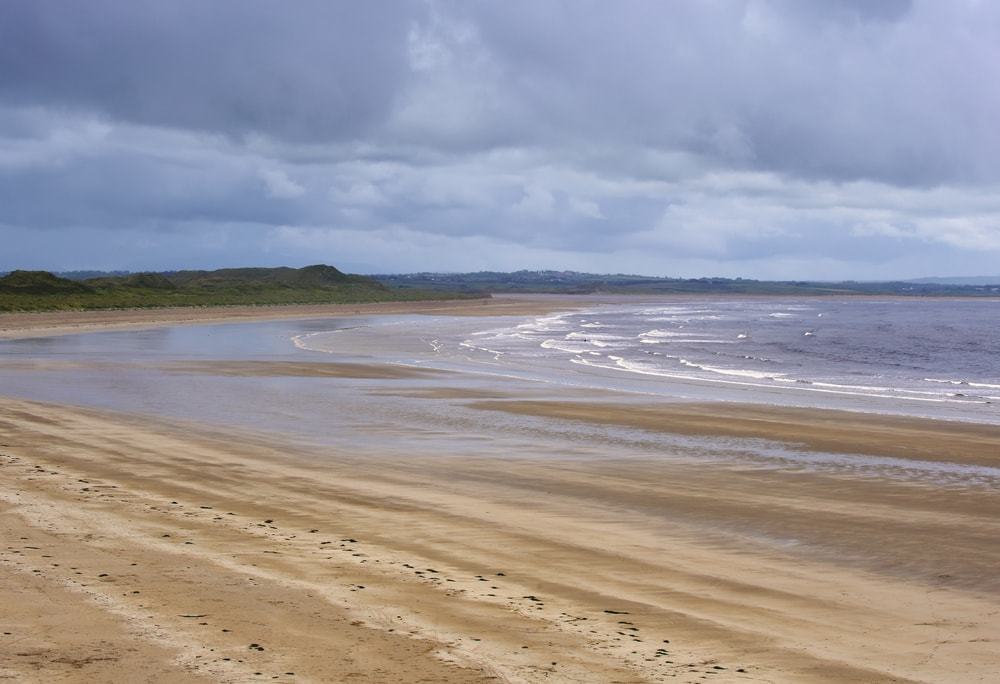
(925, 358)
(936, 358)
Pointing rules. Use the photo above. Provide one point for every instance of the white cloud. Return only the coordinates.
(585, 208)
(537, 202)
(880, 229)
(361, 193)
(280, 185)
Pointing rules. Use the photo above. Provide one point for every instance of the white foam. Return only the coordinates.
(656, 332)
(738, 372)
(565, 346)
(596, 336)
(300, 342)
(303, 341)
(966, 383)
(642, 369)
(555, 323)
(658, 336)
(674, 311)
(862, 388)
(685, 318)
(468, 345)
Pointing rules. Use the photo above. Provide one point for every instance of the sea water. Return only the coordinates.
(924, 357)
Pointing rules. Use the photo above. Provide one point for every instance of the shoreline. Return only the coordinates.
(51, 323)
(19, 325)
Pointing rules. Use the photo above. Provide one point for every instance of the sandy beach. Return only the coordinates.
(141, 548)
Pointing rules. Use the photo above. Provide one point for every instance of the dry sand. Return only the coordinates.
(143, 551)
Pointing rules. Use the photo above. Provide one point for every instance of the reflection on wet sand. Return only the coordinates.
(289, 369)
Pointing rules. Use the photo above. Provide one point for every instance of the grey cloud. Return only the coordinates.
(753, 84)
(306, 70)
(846, 89)
(843, 11)
(752, 137)
(130, 193)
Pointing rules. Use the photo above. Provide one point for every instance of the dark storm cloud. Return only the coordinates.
(758, 137)
(309, 69)
(828, 89)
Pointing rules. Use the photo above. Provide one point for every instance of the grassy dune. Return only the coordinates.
(43, 291)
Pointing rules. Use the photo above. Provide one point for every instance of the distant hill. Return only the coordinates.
(572, 282)
(311, 276)
(973, 280)
(39, 283)
(318, 284)
(87, 275)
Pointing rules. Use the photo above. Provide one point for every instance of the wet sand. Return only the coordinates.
(21, 325)
(301, 369)
(138, 550)
(817, 430)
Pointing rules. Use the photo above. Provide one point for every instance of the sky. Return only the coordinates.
(776, 139)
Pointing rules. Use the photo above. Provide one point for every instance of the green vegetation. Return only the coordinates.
(43, 291)
(571, 282)
(30, 283)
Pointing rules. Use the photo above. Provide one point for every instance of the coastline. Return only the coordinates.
(180, 550)
(19, 325)
(46, 324)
